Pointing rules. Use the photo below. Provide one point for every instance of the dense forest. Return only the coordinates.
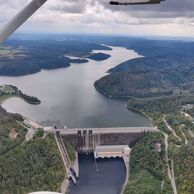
(165, 112)
(144, 183)
(27, 166)
(9, 128)
(30, 56)
(99, 56)
(70, 149)
(147, 166)
(29, 99)
(155, 107)
(133, 84)
(35, 165)
(184, 165)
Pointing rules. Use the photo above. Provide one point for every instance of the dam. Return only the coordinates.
(85, 140)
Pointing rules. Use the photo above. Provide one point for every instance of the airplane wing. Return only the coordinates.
(20, 18)
(34, 5)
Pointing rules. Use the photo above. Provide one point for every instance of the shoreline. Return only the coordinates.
(6, 98)
(125, 99)
(16, 96)
(141, 113)
(126, 161)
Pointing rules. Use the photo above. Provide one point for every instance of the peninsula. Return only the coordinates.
(7, 91)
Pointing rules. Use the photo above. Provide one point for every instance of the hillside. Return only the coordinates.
(167, 69)
(9, 127)
(183, 168)
(146, 167)
(164, 112)
(140, 84)
(33, 166)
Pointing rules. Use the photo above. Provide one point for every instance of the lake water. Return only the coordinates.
(69, 98)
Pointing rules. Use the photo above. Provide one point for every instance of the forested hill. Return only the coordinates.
(136, 84)
(27, 56)
(166, 68)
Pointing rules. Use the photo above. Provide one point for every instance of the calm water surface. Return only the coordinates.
(108, 180)
(69, 98)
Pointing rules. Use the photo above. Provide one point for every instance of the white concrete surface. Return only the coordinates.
(112, 151)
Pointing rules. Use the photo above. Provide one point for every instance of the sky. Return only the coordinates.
(170, 18)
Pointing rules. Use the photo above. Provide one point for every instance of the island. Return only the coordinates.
(99, 56)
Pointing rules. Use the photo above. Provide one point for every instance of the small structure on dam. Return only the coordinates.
(112, 151)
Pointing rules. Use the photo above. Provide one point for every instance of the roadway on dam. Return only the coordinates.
(117, 130)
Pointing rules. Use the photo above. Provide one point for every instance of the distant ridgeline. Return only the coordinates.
(9, 90)
(167, 68)
(22, 57)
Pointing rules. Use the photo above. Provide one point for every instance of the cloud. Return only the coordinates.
(172, 17)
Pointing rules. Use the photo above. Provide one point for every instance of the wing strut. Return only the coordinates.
(20, 18)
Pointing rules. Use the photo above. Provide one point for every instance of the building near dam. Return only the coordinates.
(112, 151)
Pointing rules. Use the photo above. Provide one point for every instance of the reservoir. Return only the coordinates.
(68, 98)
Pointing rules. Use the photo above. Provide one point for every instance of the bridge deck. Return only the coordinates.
(102, 130)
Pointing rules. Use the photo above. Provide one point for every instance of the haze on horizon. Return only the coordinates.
(171, 18)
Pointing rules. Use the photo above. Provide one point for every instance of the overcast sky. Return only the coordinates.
(170, 18)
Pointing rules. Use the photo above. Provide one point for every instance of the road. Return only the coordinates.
(170, 128)
(170, 170)
(29, 134)
(191, 133)
(102, 130)
(65, 157)
(186, 140)
(126, 161)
